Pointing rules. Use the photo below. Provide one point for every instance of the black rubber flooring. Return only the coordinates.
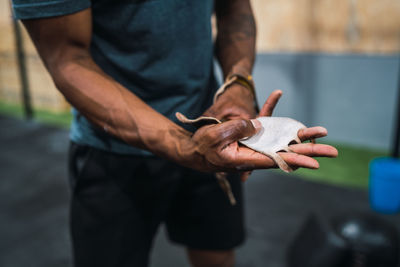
(34, 205)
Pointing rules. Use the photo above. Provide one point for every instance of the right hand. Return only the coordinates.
(218, 147)
(223, 137)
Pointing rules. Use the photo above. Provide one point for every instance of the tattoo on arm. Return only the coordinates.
(241, 28)
(235, 44)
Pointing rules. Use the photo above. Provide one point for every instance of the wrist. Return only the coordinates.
(237, 93)
(240, 90)
(183, 150)
(239, 76)
(242, 76)
(246, 80)
(234, 81)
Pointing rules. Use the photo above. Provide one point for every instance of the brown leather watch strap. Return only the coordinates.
(246, 81)
(241, 78)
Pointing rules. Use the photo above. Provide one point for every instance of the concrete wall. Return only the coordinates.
(353, 96)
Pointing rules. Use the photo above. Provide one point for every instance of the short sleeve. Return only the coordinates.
(32, 9)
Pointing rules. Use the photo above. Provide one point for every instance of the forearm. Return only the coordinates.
(63, 43)
(235, 43)
(116, 110)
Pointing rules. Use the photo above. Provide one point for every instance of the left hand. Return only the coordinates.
(237, 102)
(266, 111)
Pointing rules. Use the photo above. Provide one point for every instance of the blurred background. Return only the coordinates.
(337, 62)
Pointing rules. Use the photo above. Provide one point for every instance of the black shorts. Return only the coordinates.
(119, 201)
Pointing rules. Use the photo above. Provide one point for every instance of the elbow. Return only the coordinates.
(59, 72)
(62, 68)
(63, 57)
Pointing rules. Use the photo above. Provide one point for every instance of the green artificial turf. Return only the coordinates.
(349, 169)
(58, 119)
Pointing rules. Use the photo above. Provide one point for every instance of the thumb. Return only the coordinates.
(270, 104)
(234, 130)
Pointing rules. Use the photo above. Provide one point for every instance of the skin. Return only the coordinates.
(235, 51)
(235, 46)
(63, 43)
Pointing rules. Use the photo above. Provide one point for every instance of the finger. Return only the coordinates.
(297, 160)
(270, 104)
(314, 150)
(260, 161)
(234, 130)
(247, 159)
(312, 133)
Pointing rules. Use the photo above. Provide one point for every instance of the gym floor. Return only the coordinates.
(34, 205)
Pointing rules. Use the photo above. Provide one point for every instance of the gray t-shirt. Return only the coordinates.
(161, 50)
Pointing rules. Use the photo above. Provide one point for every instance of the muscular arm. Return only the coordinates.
(235, 43)
(235, 51)
(63, 44)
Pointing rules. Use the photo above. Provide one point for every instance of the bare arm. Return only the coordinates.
(63, 44)
(236, 37)
(235, 51)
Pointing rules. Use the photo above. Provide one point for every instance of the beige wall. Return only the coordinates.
(338, 26)
(360, 26)
(44, 94)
